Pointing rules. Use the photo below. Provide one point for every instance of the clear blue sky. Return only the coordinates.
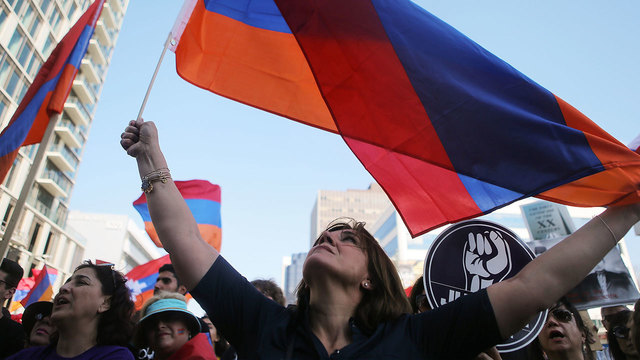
(271, 168)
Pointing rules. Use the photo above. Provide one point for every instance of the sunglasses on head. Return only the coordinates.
(562, 315)
(621, 332)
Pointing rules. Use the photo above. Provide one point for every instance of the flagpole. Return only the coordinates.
(155, 73)
(36, 167)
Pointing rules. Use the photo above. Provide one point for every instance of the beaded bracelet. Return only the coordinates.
(162, 174)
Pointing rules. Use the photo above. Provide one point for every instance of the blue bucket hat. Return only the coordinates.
(165, 306)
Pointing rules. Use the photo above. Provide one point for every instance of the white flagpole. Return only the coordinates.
(155, 73)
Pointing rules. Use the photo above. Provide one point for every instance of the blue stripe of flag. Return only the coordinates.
(204, 211)
(262, 14)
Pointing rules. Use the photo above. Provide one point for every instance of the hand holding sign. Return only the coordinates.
(486, 257)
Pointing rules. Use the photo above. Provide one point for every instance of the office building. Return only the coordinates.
(29, 31)
(292, 275)
(362, 205)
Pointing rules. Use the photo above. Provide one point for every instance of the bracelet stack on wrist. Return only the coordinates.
(162, 174)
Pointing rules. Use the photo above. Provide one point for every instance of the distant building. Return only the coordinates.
(292, 275)
(362, 205)
(113, 238)
(29, 31)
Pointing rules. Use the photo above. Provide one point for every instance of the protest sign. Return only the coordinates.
(470, 256)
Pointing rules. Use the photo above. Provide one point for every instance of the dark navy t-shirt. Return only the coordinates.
(259, 328)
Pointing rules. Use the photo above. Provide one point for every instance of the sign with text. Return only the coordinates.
(547, 220)
(608, 284)
(470, 256)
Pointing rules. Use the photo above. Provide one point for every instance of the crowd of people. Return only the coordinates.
(350, 303)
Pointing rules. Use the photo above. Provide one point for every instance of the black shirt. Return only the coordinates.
(261, 329)
(11, 335)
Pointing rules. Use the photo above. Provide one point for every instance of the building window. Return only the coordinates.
(35, 230)
(7, 216)
(10, 79)
(47, 48)
(8, 181)
(30, 19)
(4, 104)
(55, 19)
(3, 15)
(72, 10)
(44, 5)
(48, 245)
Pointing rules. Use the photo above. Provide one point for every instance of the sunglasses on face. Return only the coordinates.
(562, 315)
(621, 332)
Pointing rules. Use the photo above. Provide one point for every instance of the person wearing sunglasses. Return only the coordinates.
(619, 336)
(351, 304)
(564, 335)
(92, 312)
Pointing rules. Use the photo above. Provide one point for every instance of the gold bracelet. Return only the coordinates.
(615, 239)
(162, 174)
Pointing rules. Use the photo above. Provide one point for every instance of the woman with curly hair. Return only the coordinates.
(92, 312)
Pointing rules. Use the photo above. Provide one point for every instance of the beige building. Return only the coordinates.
(362, 205)
(113, 238)
(29, 31)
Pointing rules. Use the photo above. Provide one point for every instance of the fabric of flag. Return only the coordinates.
(635, 144)
(203, 199)
(447, 129)
(142, 279)
(42, 288)
(49, 90)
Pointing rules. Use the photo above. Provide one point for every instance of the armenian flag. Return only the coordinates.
(142, 279)
(49, 90)
(42, 289)
(203, 199)
(449, 130)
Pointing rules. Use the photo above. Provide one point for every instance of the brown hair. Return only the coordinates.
(115, 326)
(386, 300)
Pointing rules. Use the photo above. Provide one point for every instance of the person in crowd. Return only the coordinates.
(619, 337)
(36, 321)
(351, 303)
(220, 345)
(92, 313)
(564, 335)
(635, 327)
(11, 332)
(170, 330)
(418, 298)
(168, 281)
(270, 289)
(607, 311)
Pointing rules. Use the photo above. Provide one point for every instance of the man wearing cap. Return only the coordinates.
(12, 339)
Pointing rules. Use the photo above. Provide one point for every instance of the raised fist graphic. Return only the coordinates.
(487, 260)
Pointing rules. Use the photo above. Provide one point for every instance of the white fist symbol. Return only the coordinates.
(487, 260)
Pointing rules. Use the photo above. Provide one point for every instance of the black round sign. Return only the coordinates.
(471, 255)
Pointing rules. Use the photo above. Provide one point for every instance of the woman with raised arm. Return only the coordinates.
(350, 301)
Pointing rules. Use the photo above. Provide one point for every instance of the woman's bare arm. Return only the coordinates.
(177, 229)
(554, 273)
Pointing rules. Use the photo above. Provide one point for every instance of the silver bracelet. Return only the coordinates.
(615, 239)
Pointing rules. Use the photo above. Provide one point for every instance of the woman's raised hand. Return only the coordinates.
(139, 137)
